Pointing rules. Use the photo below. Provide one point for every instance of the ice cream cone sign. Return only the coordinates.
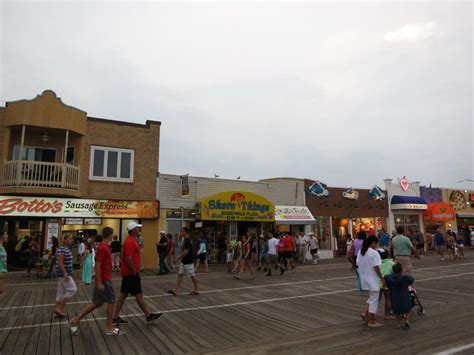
(237, 197)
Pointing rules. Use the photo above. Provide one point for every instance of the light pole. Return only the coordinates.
(182, 216)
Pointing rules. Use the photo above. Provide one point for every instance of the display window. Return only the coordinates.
(411, 223)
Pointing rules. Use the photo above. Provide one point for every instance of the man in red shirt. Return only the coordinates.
(290, 248)
(131, 284)
(103, 289)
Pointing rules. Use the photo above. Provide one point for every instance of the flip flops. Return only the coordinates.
(194, 293)
(115, 332)
(171, 292)
(74, 329)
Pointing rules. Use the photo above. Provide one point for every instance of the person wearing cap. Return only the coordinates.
(131, 284)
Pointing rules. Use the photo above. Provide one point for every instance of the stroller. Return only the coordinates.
(415, 301)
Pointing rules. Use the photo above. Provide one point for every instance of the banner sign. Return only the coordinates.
(22, 206)
(237, 206)
(293, 215)
(73, 221)
(185, 186)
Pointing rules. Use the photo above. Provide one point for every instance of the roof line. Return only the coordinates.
(147, 124)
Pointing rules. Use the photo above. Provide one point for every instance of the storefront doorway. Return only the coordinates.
(409, 222)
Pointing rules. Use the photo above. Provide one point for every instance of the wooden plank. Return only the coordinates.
(10, 344)
(34, 335)
(55, 335)
(6, 323)
(26, 335)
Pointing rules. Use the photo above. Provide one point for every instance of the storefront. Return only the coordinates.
(406, 206)
(218, 208)
(343, 212)
(462, 203)
(43, 218)
(233, 213)
(439, 215)
(293, 219)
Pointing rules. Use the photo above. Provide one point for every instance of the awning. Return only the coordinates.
(408, 203)
(465, 215)
(439, 212)
(293, 215)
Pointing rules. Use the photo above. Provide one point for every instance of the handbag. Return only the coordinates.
(308, 256)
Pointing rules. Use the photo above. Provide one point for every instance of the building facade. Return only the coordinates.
(218, 208)
(406, 206)
(62, 171)
(342, 212)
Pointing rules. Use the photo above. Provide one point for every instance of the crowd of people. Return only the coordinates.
(383, 265)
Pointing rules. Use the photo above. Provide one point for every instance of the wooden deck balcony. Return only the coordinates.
(38, 174)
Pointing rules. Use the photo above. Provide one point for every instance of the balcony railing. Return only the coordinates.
(25, 173)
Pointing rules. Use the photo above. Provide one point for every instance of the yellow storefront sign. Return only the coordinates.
(237, 206)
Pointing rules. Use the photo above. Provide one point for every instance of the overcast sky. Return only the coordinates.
(346, 93)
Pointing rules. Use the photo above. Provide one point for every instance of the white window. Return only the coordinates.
(111, 164)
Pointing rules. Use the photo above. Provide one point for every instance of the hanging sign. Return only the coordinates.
(237, 206)
(185, 186)
(405, 184)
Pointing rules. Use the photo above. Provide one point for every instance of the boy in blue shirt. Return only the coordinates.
(400, 295)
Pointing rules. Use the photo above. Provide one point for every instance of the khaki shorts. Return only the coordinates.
(406, 263)
(186, 269)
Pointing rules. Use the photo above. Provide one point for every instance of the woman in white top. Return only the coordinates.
(368, 264)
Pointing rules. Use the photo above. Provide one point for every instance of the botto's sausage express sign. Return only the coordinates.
(22, 206)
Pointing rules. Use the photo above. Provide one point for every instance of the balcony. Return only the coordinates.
(48, 177)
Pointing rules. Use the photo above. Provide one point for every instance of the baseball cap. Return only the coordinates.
(133, 225)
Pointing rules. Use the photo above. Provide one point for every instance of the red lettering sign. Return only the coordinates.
(11, 205)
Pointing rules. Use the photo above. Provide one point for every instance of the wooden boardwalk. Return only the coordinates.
(310, 310)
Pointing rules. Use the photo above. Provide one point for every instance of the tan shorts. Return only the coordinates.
(186, 269)
(406, 263)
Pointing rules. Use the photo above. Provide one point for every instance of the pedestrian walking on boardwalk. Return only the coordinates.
(161, 250)
(246, 261)
(131, 283)
(368, 263)
(170, 253)
(439, 242)
(87, 265)
(272, 259)
(403, 249)
(103, 288)
(66, 285)
(398, 284)
(203, 250)
(115, 248)
(3, 261)
(238, 253)
(186, 266)
(290, 248)
(314, 247)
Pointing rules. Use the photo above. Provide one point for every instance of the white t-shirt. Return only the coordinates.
(369, 279)
(273, 246)
(314, 243)
(82, 248)
(306, 239)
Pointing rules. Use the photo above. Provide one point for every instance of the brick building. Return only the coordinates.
(62, 171)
